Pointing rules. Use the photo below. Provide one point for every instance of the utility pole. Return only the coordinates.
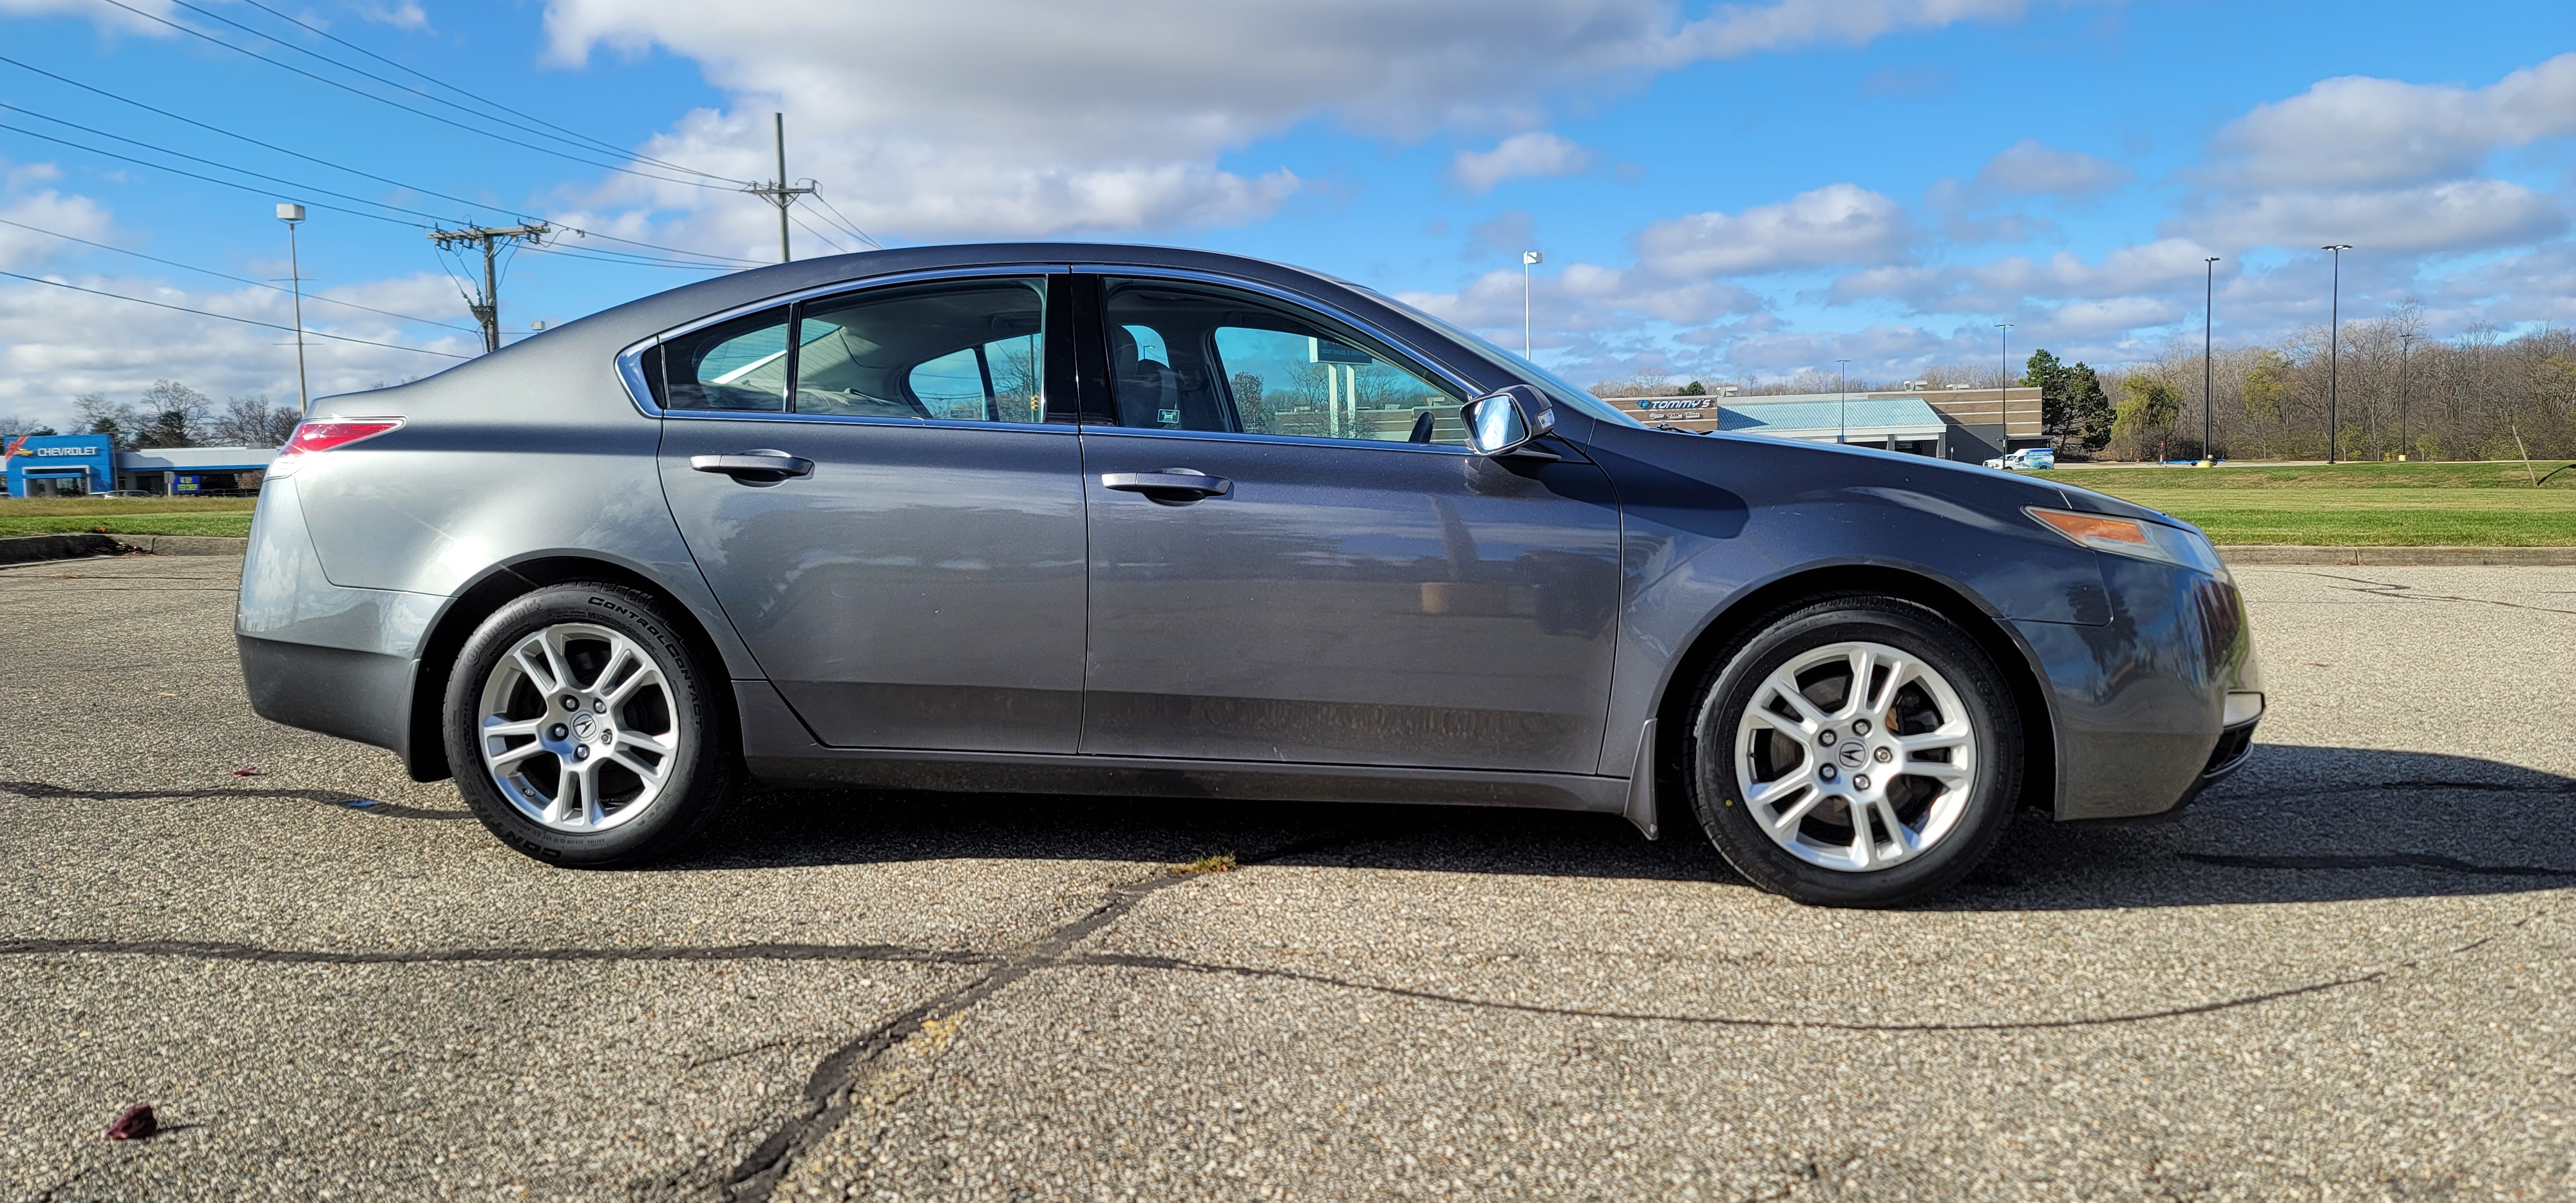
(1842, 418)
(778, 192)
(291, 214)
(2334, 347)
(2208, 319)
(487, 308)
(1529, 259)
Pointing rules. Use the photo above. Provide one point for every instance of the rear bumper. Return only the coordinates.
(355, 695)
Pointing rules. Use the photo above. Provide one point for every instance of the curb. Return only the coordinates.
(31, 549)
(2247, 554)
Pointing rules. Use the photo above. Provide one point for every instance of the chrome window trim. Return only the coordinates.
(1466, 391)
(630, 361)
(762, 415)
(1294, 440)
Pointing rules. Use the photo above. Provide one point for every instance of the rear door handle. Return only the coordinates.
(1171, 486)
(762, 467)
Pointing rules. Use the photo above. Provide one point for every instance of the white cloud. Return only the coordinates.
(1520, 156)
(2027, 168)
(1833, 225)
(1026, 118)
(77, 216)
(2457, 216)
(2357, 131)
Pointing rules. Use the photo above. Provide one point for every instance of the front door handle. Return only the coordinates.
(1171, 486)
(762, 467)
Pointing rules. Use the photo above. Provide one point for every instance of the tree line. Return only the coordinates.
(2390, 388)
(171, 414)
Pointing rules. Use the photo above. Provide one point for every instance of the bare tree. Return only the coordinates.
(252, 422)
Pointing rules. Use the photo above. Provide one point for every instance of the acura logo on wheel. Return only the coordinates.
(581, 725)
(1852, 754)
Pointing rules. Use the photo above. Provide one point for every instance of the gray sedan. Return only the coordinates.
(1151, 522)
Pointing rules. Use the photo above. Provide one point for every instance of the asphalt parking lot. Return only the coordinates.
(2350, 973)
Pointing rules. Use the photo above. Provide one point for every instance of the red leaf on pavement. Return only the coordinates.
(137, 1122)
(252, 771)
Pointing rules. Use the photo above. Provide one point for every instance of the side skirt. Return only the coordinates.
(779, 750)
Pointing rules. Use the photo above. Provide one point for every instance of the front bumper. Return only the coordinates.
(2141, 702)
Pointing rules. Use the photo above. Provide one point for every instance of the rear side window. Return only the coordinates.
(964, 351)
(737, 365)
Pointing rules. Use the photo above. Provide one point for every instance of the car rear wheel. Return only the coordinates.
(583, 729)
(1855, 752)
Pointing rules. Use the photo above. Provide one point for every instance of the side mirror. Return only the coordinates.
(1504, 422)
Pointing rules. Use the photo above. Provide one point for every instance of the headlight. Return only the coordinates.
(2130, 537)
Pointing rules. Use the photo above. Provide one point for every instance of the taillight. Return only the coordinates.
(313, 436)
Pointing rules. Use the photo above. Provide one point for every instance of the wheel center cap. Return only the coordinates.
(1852, 754)
(582, 723)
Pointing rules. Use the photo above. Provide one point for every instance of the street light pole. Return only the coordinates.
(2334, 346)
(2208, 316)
(1842, 422)
(1529, 259)
(291, 214)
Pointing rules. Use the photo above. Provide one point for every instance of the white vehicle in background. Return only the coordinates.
(2028, 459)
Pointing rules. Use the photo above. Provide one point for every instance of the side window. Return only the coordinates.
(1184, 357)
(736, 365)
(969, 350)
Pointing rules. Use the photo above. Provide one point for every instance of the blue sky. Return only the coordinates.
(1721, 191)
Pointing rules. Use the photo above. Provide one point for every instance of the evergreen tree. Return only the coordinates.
(2088, 409)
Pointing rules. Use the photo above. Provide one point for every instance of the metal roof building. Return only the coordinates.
(1973, 425)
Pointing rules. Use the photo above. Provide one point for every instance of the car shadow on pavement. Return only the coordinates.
(2296, 824)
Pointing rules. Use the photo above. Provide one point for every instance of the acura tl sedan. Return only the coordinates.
(1162, 523)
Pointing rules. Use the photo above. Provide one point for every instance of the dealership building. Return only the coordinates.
(74, 465)
(1967, 424)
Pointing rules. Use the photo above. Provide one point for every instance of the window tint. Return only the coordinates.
(966, 351)
(736, 365)
(1185, 357)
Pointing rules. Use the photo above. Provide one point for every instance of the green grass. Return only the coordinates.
(136, 516)
(2382, 505)
(2488, 474)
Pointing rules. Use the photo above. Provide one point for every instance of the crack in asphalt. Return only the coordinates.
(2393, 860)
(833, 1088)
(2400, 592)
(209, 950)
(1176, 964)
(2238, 788)
(334, 799)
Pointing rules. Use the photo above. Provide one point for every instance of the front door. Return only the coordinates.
(1293, 559)
(872, 488)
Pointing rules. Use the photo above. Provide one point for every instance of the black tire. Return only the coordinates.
(1915, 630)
(700, 779)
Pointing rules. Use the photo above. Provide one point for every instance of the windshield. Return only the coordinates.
(1563, 391)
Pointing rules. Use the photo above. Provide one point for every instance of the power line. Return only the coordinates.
(336, 166)
(846, 223)
(630, 261)
(355, 91)
(828, 240)
(210, 179)
(208, 162)
(228, 317)
(228, 276)
(479, 99)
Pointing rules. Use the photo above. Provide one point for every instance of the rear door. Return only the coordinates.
(1294, 558)
(881, 499)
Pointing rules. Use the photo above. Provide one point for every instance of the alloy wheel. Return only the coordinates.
(578, 727)
(1855, 756)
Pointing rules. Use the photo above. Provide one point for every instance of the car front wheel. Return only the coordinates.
(1861, 751)
(584, 730)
